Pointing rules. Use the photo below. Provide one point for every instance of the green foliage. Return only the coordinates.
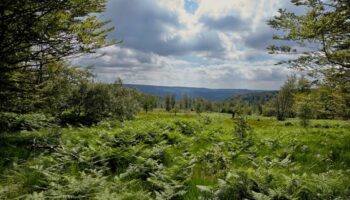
(182, 158)
(326, 24)
(11, 122)
(188, 127)
(329, 102)
(328, 99)
(304, 109)
(148, 102)
(176, 109)
(168, 103)
(36, 34)
(242, 128)
(234, 186)
(73, 97)
(269, 109)
(241, 108)
(284, 100)
(199, 106)
(256, 97)
(65, 87)
(90, 103)
(186, 102)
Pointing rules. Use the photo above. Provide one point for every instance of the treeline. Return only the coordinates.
(186, 103)
(325, 99)
(170, 103)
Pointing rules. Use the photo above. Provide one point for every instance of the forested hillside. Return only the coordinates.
(254, 98)
(204, 93)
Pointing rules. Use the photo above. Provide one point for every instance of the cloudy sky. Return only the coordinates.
(194, 43)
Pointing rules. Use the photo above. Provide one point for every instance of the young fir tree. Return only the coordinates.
(167, 103)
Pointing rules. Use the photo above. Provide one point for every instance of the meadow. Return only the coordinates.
(188, 156)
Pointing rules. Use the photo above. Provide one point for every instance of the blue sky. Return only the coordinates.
(194, 43)
(191, 6)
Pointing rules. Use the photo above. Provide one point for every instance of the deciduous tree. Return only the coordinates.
(322, 34)
(36, 33)
(284, 100)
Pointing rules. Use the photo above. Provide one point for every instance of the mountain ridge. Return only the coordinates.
(193, 92)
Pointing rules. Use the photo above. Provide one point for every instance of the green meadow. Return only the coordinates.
(185, 156)
(215, 122)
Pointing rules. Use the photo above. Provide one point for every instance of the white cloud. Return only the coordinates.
(149, 68)
(219, 45)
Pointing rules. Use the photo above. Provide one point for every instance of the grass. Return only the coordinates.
(160, 155)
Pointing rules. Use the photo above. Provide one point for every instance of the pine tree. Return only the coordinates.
(172, 101)
(167, 103)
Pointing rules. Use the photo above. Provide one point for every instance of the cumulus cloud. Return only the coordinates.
(153, 26)
(226, 23)
(202, 43)
(149, 68)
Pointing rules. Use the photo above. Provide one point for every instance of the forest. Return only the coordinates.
(64, 134)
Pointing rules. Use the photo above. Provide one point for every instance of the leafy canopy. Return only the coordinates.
(36, 33)
(322, 34)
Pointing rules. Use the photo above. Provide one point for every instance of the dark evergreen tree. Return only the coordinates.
(167, 103)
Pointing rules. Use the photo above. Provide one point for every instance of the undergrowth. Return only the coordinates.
(162, 156)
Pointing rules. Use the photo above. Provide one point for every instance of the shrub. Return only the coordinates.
(99, 102)
(242, 128)
(304, 110)
(206, 120)
(73, 119)
(188, 127)
(10, 122)
(288, 124)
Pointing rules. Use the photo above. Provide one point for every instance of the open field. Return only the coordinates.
(187, 156)
(175, 100)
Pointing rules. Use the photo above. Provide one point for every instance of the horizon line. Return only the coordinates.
(168, 86)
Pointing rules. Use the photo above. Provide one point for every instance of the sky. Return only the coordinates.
(191, 43)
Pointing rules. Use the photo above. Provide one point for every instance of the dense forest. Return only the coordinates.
(66, 135)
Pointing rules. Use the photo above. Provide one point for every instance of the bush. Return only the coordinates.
(288, 124)
(304, 110)
(10, 122)
(206, 120)
(188, 127)
(100, 102)
(242, 128)
(73, 119)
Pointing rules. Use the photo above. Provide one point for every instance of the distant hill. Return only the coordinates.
(255, 97)
(206, 93)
